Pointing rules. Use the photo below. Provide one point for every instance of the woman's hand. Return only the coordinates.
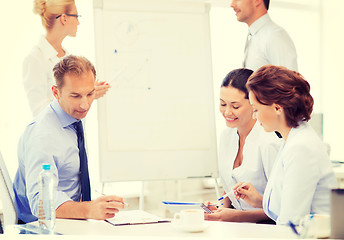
(223, 214)
(211, 206)
(249, 194)
(101, 89)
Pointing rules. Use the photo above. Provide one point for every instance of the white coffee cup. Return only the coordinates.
(191, 220)
(317, 226)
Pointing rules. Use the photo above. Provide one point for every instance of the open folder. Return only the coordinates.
(133, 217)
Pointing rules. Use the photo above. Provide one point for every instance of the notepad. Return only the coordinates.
(133, 217)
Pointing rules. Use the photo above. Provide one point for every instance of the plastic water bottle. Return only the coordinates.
(46, 209)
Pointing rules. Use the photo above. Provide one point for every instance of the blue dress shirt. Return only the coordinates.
(49, 139)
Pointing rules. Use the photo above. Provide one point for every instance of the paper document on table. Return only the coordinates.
(132, 217)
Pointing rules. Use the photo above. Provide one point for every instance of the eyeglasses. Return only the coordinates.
(71, 15)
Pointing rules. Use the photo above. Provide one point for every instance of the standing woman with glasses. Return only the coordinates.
(60, 19)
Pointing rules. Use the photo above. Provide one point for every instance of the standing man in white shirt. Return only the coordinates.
(267, 43)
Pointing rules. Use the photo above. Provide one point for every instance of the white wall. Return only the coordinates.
(332, 73)
(19, 32)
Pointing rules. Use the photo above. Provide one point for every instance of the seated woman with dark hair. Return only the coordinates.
(302, 175)
(246, 151)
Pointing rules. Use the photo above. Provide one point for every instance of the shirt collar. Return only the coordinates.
(259, 23)
(295, 130)
(63, 117)
(49, 51)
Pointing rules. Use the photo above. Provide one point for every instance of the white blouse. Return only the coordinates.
(259, 153)
(301, 178)
(38, 75)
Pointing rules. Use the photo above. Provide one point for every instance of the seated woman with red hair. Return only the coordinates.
(302, 175)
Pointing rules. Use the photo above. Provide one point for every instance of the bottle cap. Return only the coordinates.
(46, 166)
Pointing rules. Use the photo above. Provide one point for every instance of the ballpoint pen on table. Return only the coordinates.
(293, 227)
(304, 230)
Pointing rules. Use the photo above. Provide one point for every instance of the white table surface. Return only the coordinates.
(218, 230)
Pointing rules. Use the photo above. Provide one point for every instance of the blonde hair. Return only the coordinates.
(48, 10)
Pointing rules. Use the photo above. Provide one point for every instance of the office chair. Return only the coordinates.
(7, 196)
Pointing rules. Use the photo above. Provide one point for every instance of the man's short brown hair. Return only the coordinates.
(74, 65)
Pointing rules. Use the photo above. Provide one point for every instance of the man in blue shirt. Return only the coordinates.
(52, 139)
(267, 43)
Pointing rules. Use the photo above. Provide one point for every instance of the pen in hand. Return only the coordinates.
(231, 191)
(124, 203)
(224, 196)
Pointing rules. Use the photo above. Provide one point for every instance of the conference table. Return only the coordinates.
(212, 230)
(88, 229)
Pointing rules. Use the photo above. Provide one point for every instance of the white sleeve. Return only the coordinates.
(269, 153)
(34, 80)
(301, 176)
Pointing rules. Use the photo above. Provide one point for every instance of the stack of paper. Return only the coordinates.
(132, 217)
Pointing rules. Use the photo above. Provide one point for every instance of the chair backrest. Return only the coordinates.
(7, 195)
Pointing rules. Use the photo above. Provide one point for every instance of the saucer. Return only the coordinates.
(192, 229)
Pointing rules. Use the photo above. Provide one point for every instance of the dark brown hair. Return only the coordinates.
(237, 78)
(73, 65)
(272, 84)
